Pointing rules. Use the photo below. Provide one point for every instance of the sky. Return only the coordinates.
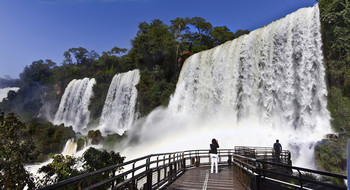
(31, 30)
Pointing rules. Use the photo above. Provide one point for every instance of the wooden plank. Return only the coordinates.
(201, 178)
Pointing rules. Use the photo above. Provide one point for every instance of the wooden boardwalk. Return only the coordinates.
(201, 178)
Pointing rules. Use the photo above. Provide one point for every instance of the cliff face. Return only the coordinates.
(335, 29)
(330, 154)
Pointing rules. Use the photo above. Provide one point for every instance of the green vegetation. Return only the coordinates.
(111, 141)
(14, 146)
(81, 142)
(335, 20)
(95, 136)
(96, 159)
(335, 28)
(49, 139)
(339, 106)
(62, 168)
(153, 90)
(59, 169)
(331, 154)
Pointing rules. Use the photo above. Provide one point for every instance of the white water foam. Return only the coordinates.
(4, 92)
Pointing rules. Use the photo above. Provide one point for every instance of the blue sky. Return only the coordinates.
(31, 30)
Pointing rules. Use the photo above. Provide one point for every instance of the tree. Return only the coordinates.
(203, 27)
(38, 71)
(81, 55)
(95, 159)
(64, 167)
(61, 168)
(222, 34)
(113, 61)
(335, 28)
(14, 146)
(154, 45)
(201, 40)
(241, 32)
(48, 139)
(118, 51)
(178, 25)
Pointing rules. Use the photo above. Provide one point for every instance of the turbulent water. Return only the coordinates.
(118, 112)
(4, 92)
(253, 90)
(73, 109)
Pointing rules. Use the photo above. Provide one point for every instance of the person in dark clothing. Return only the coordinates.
(214, 155)
(277, 147)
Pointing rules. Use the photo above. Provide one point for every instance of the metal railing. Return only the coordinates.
(251, 165)
(263, 153)
(148, 172)
(260, 174)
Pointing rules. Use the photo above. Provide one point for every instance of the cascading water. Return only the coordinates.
(250, 91)
(70, 148)
(73, 109)
(119, 110)
(275, 74)
(4, 92)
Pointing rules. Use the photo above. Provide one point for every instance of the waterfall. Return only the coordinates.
(73, 109)
(4, 92)
(70, 148)
(275, 74)
(119, 110)
(253, 90)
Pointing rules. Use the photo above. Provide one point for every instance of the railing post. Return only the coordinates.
(258, 180)
(174, 169)
(183, 161)
(113, 181)
(289, 159)
(149, 175)
(170, 169)
(81, 184)
(158, 170)
(229, 161)
(165, 168)
(133, 177)
(300, 180)
(198, 162)
(178, 167)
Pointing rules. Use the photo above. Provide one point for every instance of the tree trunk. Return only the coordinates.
(6, 181)
(177, 49)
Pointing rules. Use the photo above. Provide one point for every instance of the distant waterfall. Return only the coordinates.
(4, 92)
(267, 85)
(119, 110)
(73, 109)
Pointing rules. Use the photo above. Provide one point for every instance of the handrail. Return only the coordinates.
(304, 169)
(159, 170)
(171, 164)
(249, 169)
(84, 176)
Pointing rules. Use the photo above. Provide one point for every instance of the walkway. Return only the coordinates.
(201, 178)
